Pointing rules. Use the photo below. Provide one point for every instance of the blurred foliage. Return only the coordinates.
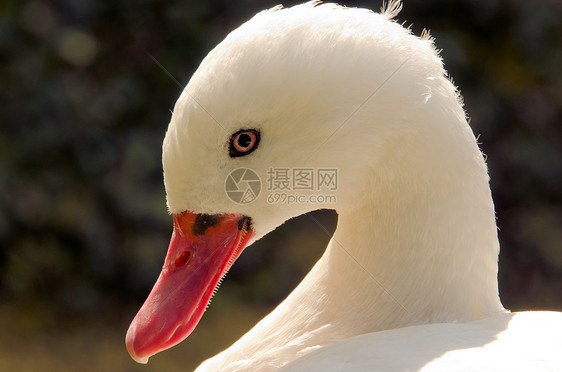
(83, 222)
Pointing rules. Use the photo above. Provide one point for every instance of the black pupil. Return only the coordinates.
(244, 140)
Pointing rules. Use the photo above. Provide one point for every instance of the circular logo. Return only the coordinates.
(242, 185)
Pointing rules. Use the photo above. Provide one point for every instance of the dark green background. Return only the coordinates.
(83, 222)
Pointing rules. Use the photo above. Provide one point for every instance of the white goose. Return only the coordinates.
(409, 279)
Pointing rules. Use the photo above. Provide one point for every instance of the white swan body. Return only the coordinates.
(507, 342)
(416, 243)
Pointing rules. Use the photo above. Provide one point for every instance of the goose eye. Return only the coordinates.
(244, 142)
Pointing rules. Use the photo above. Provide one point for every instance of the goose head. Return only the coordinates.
(309, 87)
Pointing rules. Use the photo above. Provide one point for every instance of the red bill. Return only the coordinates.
(202, 249)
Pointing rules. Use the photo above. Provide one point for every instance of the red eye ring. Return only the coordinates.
(243, 142)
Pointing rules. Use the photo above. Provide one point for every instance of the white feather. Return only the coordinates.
(412, 266)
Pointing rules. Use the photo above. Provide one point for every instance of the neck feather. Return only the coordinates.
(416, 243)
(393, 262)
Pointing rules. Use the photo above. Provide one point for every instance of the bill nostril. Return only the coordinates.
(183, 259)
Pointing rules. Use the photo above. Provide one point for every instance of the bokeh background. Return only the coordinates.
(83, 222)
